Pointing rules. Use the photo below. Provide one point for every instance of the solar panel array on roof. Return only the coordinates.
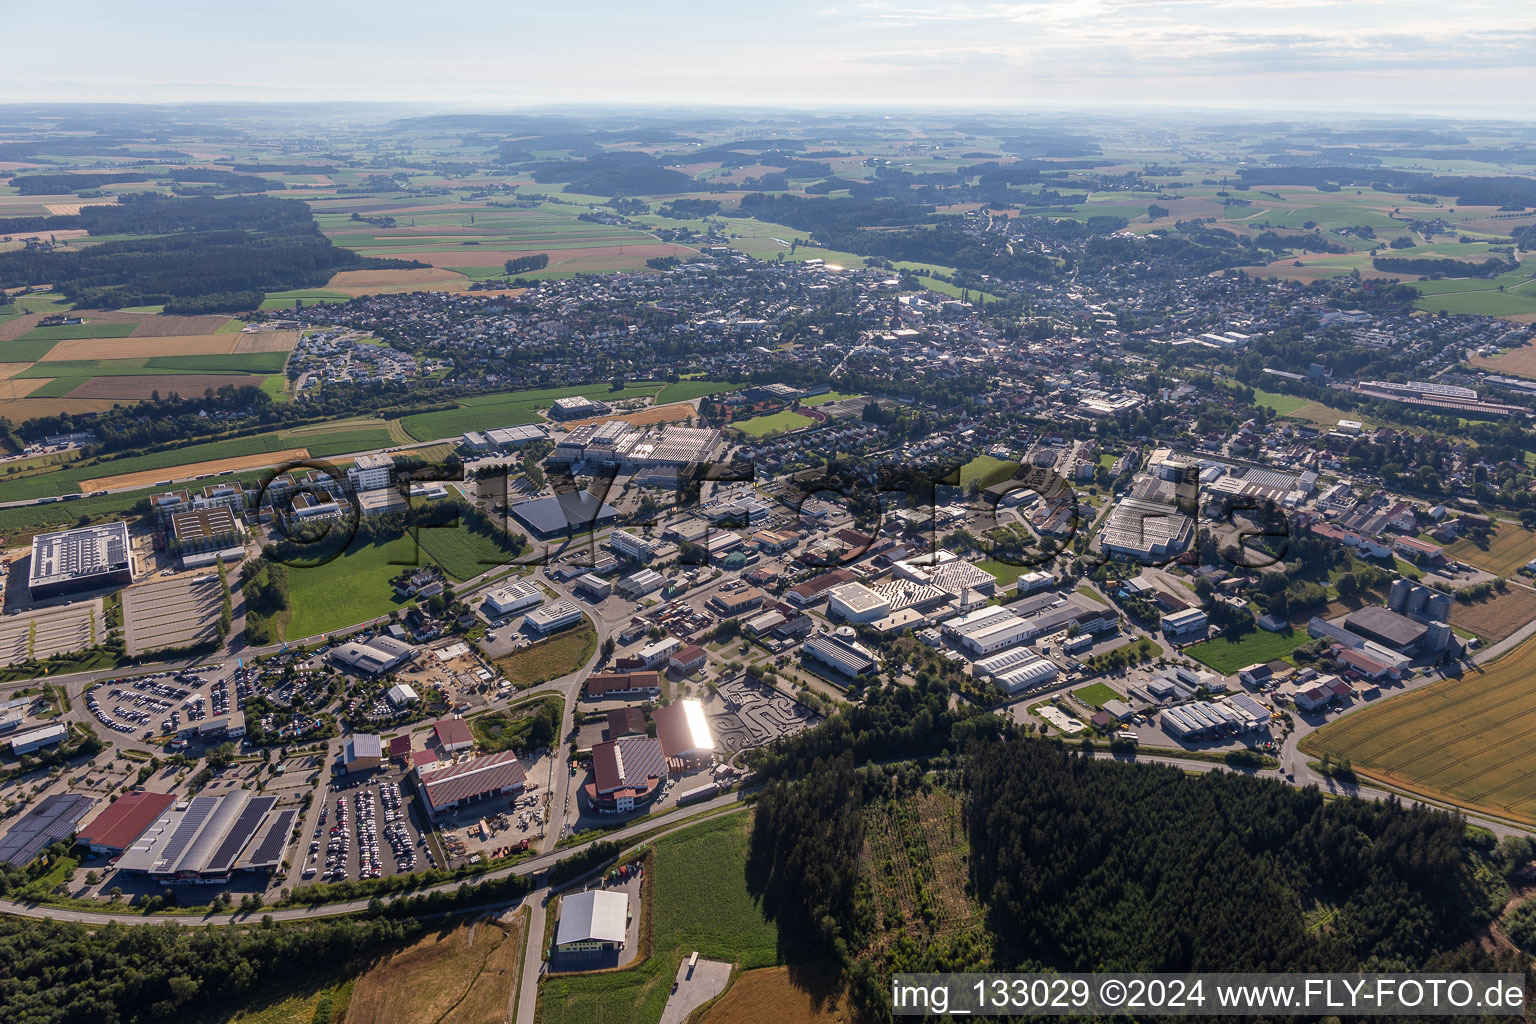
(267, 851)
(53, 819)
(185, 831)
(240, 833)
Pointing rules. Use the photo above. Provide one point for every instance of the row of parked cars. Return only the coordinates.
(367, 836)
(395, 828)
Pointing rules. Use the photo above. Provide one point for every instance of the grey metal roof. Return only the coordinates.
(53, 819)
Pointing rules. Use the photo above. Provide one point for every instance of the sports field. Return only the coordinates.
(773, 423)
(1466, 741)
(1508, 549)
(1226, 656)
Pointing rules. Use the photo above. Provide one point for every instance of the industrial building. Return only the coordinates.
(856, 603)
(50, 820)
(122, 821)
(1205, 719)
(203, 536)
(448, 785)
(593, 586)
(629, 545)
(1188, 624)
(577, 407)
(36, 739)
(989, 629)
(74, 561)
(452, 735)
(1148, 531)
(553, 618)
(210, 837)
(623, 685)
(592, 921)
(573, 512)
(502, 438)
(839, 651)
(639, 584)
(371, 472)
(374, 657)
(1026, 675)
(626, 772)
(363, 752)
(683, 730)
(511, 598)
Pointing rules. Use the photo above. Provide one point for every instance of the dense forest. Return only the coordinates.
(62, 184)
(1513, 192)
(53, 973)
(1082, 864)
(1442, 268)
(192, 248)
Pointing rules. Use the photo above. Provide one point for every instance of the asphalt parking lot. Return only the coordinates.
(172, 611)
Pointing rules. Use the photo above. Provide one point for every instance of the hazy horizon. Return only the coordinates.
(1271, 55)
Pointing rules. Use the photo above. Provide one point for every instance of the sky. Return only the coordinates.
(1470, 57)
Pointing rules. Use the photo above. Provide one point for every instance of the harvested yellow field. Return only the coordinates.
(463, 975)
(149, 477)
(264, 341)
(21, 387)
(674, 413)
(73, 209)
(22, 409)
(136, 347)
(371, 282)
(1466, 740)
(9, 370)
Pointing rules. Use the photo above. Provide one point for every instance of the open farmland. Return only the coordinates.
(1499, 616)
(148, 477)
(801, 996)
(710, 912)
(510, 408)
(1463, 740)
(134, 389)
(462, 974)
(1518, 362)
(374, 282)
(647, 417)
(265, 341)
(140, 348)
(1508, 548)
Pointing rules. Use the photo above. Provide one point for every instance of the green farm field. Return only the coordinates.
(688, 390)
(1462, 740)
(464, 553)
(483, 412)
(347, 590)
(709, 911)
(245, 363)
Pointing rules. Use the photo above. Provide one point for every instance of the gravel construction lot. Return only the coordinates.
(59, 630)
(171, 612)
